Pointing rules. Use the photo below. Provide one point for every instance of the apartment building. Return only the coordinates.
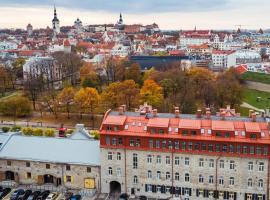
(185, 156)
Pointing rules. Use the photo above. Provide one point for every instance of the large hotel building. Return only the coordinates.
(185, 156)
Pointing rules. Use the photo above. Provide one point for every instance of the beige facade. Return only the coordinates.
(197, 173)
(38, 173)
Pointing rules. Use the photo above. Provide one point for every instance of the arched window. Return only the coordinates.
(158, 175)
(249, 182)
(168, 175)
(186, 177)
(260, 183)
(149, 174)
(231, 181)
(110, 171)
(200, 178)
(135, 179)
(177, 177)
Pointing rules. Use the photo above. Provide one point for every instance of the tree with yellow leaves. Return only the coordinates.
(66, 98)
(151, 93)
(87, 100)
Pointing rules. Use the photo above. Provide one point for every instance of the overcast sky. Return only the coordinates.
(169, 14)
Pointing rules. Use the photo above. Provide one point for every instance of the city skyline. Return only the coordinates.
(168, 14)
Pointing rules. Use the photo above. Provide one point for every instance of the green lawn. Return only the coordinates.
(250, 97)
(256, 77)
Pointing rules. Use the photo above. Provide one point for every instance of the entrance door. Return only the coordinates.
(58, 181)
(10, 176)
(132, 191)
(48, 178)
(115, 187)
(89, 183)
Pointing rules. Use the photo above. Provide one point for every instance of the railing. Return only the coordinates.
(51, 188)
(9, 184)
(87, 192)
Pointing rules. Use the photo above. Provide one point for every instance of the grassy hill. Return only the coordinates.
(256, 77)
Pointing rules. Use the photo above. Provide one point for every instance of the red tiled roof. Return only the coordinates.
(222, 125)
(252, 127)
(115, 120)
(158, 122)
(190, 124)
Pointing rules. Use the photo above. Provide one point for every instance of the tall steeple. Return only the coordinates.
(55, 23)
(120, 19)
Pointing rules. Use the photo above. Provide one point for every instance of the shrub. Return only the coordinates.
(28, 131)
(38, 132)
(5, 129)
(16, 107)
(69, 131)
(49, 133)
(15, 128)
(95, 134)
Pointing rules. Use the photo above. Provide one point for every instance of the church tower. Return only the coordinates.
(55, 23)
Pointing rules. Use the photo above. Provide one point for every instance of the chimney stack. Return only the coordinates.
(253, 117)
(250, 113)
(124, 107)
(154, 112)
(222, 115)
(199, 113)
(177, 113)
(208, 114)
(121, 110)
(146, 109)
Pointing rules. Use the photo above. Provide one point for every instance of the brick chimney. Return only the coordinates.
(250, 113)
(208, 114)
(154, 112)
(199, 113)
(121, 110)
(253, 117)
(177, 113)
(222, 115)
(124, 107)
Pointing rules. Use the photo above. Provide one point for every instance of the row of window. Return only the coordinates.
(192, 146)
(188, 192)
(201, 162)
(201, 179)
(48, 166)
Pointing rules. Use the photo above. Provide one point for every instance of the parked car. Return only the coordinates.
(76, 197)
(123, 196)
(52, 196)
(4, 192)
(8, 194)
(43, 195)
(142, 197)
(24, 196)
(67, 196)
(16, 194)
(34, 195)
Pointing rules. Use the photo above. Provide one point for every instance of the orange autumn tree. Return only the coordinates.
(66, 98)
(151, 93)
(87, 100)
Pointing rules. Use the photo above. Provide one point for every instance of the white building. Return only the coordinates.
(223, 59)
(120, 50)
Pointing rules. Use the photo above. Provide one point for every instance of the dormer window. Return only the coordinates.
(184, 132)
(218, 134)
(253, 136)
(161, 131)
(227, 135)
(153, 130)
(109, 128)
(193, 133)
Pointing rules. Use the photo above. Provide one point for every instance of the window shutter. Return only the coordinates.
(197, 192)
(72, 179)
(190, 194)
(235, 196)
(146, 188)
(163, 189)
(154, 188)
(65, 179)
